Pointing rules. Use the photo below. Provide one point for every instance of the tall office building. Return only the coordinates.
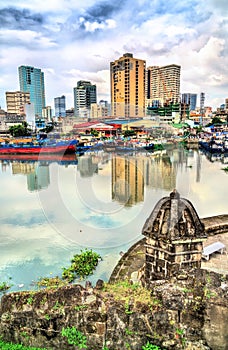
(84, 95)
(190, 100)
(127, 77)
(32, 80)
(47, 113)
(16, 101)
(60, 106)
(163, 84)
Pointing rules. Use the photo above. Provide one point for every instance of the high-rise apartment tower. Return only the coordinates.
(16, 101)
(84, 95)
(163, 84)
(32, 80)
(127, 76)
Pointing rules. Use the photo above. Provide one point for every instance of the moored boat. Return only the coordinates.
(60, 147)
(122, 146)
(213, 146)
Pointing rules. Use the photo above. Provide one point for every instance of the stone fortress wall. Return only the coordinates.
(184, 308)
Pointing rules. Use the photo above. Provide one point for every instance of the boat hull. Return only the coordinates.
(63, 149)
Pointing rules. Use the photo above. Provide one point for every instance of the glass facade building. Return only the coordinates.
(60, 106)
(32, 80)
(190, 100)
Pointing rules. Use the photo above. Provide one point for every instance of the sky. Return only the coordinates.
(72, 40)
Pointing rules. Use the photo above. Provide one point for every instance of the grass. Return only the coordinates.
(51, 282)
(11, 346)
(123, 290)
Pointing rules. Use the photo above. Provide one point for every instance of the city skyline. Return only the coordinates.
(69, 42)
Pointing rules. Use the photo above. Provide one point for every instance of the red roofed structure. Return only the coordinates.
(104, 128)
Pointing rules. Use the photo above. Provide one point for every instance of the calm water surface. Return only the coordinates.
(52, 210)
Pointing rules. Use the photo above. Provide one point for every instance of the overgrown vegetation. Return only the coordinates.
(77, 338)
(74, 337)
(123, 290)
(4, 286)
(51, 282)
(150, 346)
(11, 346)
(82, 265)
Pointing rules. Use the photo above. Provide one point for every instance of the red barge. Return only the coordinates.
(61, 147)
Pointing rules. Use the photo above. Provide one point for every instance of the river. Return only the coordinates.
(53, 210)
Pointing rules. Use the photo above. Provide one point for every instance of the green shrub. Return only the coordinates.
(82, 265)
(150, 346)
(11, 346)
(74, 337)
(4, 286)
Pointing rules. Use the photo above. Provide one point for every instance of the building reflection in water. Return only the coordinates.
(40, 179)
(88, 165)
(38, 176)
(160, 172)
(128, 179)
(130, 176)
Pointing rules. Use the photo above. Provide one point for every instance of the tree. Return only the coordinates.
(94, 132)
(215, 121)
(129, 133)
(20, 130)
(47, 129)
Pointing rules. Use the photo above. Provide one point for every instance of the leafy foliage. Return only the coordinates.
(129, 133)
(20, 130)
(74, 337)
(82, 265)
(4, 286)
(11, 346)
(150, 346)
(94, 132)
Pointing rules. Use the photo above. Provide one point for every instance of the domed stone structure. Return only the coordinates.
(174, 238)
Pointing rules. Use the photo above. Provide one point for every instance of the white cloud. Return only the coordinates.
(78, 41)
(27, 38)
(92, 26)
